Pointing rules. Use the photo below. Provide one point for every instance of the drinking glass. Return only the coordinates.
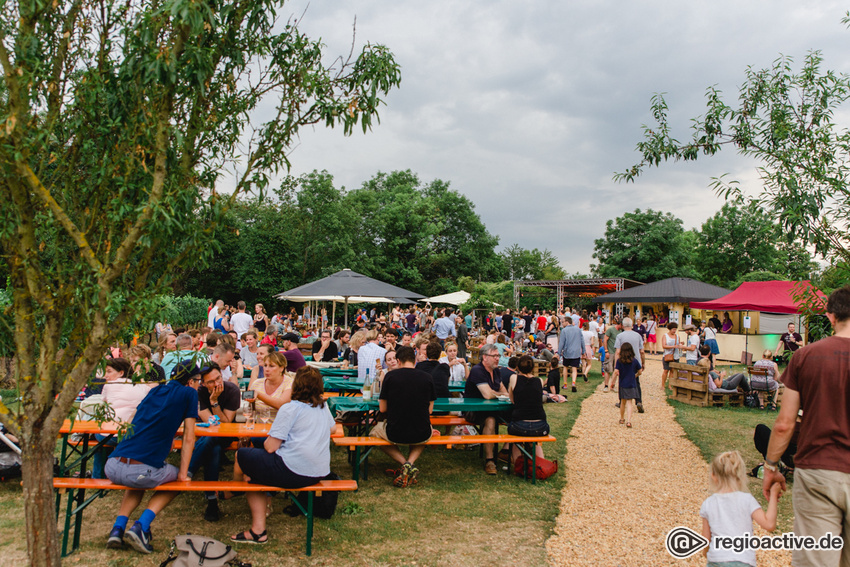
(264, 414)
(248, 412)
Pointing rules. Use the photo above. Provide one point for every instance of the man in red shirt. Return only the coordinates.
(817, 380)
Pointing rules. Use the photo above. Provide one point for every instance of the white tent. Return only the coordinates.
(456, 298)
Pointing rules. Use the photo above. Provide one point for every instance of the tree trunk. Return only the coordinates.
(39, 503)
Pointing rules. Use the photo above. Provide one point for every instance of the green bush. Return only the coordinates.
(181, 311)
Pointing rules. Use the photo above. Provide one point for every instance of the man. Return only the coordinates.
(611, 334)
(485, 382)
(528, 318)
(498, 321)
(221, 399)
(294, 358)
(790, 341)
(370, 352)
(222, 356)
(406, 338)
(692, 345)
(468, 320)
(576, 319)
(445, 327)
(817, 380)
(438, 371)
(571, 347)
(629, 335)
(542, 321)
(139, 459)
(213, 313)
(185, 351)
(410, 320)
(407, 399)
(715, 321)
(462, 338)
(390, 340)
(325, 350)
(508, 323)
(342, 340)
(241, 321)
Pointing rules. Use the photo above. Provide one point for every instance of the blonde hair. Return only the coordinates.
(728, 473)
(767, 354)
(357, 340)
(372, 335)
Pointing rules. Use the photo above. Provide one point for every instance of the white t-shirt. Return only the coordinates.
(241, 322)
(588, 339)
(306, 434)
(458, 372)
(710, 334)
(212, 316)
(693, 354)
(730, 514)
(593, 326)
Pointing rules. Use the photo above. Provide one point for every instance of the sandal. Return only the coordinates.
(622, 421)
(629, 424)
(254, 539)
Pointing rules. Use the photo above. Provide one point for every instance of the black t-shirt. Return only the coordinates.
(507, 323)
(331, 353)
(528, 399)
(789, 340)
(230, 398)
(479, 375)
(155, 374)
(528, 319)
(440, 373)
(408, 393)
(554, 379)
(716, 322)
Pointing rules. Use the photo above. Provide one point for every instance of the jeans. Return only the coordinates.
(100, 456)
(207, 454)
(732, 383)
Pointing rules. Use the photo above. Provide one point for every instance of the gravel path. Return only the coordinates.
(626, 488)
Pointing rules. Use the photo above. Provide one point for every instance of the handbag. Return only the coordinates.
(545, 468)
(199, 551)
(751, 400)
(669, 357)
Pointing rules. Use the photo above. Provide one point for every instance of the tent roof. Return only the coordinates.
(671, 290)
(456, 298)
(772, 297)
(347, 284)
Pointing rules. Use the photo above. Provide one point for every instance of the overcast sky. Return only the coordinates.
(528, 108)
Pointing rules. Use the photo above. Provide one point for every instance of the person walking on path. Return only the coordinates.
(817, 380)
(571, 347)
(633, 338)
(627, 369)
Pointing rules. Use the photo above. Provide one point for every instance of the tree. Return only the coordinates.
(118, 120)
(739, 240)
(786, 122)
(522, 264)
(643, 246)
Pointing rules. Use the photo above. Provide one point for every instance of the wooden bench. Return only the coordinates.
(78, 487)
(525, 444)
(690, 386)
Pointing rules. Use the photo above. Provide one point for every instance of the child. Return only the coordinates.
(730, 511)
(627, 369)
(553, 382)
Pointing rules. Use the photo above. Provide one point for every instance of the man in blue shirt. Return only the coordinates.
(139, 459)
(185, 351)
(445, 327)
(571, 347)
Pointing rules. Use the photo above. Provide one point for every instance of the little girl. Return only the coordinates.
(730, 511)
(627, 370)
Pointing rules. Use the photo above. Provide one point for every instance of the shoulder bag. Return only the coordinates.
(198, 551)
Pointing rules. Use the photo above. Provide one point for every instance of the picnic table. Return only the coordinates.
(352, 387)
(441, 404)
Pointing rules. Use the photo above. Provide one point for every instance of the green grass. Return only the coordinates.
(715, 430)
(456, 515)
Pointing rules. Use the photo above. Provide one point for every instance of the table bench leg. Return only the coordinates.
(309, 513)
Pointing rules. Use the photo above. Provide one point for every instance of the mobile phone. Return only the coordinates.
(249, 395)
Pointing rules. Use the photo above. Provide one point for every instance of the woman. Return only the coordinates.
(259, 371)
(528, 418)
(357, 341)
(161, 328)
(296, 453)
(392, 363)
(261, 320)
(663, 319)
(590, 342)
(766, 383)
(249, 350)
(221, 322)
(458, 367)
(711, 341)
(651, 335)
(505, 351)
(727, 324)
(167, 343)
(669, 344)
(275, 388)
(140, 360)
(270, 338)
(552, 333)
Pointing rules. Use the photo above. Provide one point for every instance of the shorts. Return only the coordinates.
(628, 393)
(139, 475)
(821, 500)
(268, 468)
(651, 339)
(528, 428)
(572, 363)
(666, 365)
(609, 364)
(380, 431)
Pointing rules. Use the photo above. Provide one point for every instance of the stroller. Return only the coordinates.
(10, 456)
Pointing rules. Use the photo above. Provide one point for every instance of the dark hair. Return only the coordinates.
(405, 354)
(433, 350)
(672, 325)
(207, 368)
(704, 350)
(406, 334)
(838, 304)
(121, 365)
(553, 363)
(512, 362)
(212, 339)
(241, 305)
(308, 387)
(627, 353)
(525, 364)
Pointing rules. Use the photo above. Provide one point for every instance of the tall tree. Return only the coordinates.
(739, 240)
(118, 118)
(523, 264)
(785, 120)
(644, 246)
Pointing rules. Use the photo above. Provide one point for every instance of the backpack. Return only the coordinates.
(198, 551)
(324, 506)
(751, 400)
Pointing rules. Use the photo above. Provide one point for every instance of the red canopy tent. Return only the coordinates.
(771, 297)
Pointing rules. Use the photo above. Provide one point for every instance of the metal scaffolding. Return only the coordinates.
(590, 287)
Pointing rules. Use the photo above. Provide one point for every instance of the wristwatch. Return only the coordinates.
(215, 405)
(770, 465)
